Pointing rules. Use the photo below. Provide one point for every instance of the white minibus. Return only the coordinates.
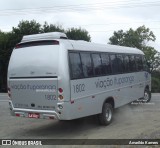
(52, 77)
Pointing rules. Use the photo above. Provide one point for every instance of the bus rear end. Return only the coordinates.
(33, 79)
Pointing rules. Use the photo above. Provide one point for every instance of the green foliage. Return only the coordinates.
(156, 84)
(25, 28)
(4, 41)
(138, 39)
(78, 34)
(51, 28)
(133, 38)
(156, 81)
(152, 56)
(5, 52)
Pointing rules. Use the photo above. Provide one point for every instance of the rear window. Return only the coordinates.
(76, 67)
(37, 43)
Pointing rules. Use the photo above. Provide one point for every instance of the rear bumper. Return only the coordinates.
(43, 114)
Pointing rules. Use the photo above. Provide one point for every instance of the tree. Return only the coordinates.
(138, 38)
(8, 40)
(78, 34)
(25, 28)
(4, 58)
(155, 85)
(51, 28)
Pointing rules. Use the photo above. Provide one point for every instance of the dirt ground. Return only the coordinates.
(132, 121)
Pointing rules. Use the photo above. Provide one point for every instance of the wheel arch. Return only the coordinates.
(147, 87)
(105, 117)
(109, 100)
(149, 90)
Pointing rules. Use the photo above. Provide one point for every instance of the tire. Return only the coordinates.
(147, 95)
(105, 118)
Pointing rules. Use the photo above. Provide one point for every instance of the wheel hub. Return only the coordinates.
(108, 114)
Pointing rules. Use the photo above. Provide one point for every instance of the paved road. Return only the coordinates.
(130, 121)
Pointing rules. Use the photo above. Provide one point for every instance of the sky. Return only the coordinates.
(99, 17)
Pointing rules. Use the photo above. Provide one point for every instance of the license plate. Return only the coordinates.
(33, 115)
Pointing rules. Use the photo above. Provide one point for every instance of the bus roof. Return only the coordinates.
(80, 44)
(44, 36)
(89, 46)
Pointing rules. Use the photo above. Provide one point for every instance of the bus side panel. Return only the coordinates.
(89, 94)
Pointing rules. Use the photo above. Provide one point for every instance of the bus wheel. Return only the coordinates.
(147, 95)
(105, 118)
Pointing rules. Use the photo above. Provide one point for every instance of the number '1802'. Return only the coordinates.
(78, 88)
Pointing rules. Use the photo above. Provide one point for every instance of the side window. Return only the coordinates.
(106, 64)
(132, 63)
(126, 63)
(75, 66)
(139, 62)
(114, 63)
(86, 64)
(97, 64)
(120, 64)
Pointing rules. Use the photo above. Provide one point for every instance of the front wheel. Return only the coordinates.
(105, 118)
(147, 95)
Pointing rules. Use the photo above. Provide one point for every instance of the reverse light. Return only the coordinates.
(60, 97)
(60, 106)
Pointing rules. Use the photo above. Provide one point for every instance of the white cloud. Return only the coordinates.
(100, 18)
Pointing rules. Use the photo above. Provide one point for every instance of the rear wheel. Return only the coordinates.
(105, 118)
(147, 95)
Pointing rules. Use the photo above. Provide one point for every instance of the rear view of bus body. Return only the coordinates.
(51, 77)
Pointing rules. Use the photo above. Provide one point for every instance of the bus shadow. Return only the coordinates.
(81, 127)
(64, 129)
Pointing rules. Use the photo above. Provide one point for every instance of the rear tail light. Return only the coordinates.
(17, 115)
(9, 92)
(60, 90)
(51, 117)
